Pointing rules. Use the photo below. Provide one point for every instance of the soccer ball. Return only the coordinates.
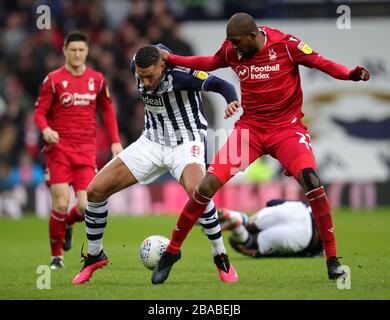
(151, 250)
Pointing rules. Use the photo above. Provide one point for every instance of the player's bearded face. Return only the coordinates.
(151, 76)
(245, 46)
(76, 53)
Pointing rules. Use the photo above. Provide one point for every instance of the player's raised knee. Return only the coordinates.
(96, 192)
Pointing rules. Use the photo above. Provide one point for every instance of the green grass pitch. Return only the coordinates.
(363, 239)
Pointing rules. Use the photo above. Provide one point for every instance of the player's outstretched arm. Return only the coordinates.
(205, 63)
(225, 89)
(301, 53)
(359, 73)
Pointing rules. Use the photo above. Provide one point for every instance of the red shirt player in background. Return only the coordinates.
(266, 61)
(66, 114)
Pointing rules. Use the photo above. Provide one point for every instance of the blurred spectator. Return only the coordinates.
(14, 33)
(116, 28)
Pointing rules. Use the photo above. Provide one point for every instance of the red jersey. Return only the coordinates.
(270, 82)
(67, 104)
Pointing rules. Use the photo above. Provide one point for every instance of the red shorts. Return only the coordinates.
(74, 168)
(288, 144)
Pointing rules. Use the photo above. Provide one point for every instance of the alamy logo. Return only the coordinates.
(44, 278)
(44, 19)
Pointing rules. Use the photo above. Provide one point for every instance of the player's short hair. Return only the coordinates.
(147, 56)
(76, 36)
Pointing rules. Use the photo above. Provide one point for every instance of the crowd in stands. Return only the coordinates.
(116, 30)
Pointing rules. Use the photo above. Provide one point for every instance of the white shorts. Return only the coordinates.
(284, 229)
(148, 160)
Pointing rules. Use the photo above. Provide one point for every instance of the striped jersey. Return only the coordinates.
(173, 111)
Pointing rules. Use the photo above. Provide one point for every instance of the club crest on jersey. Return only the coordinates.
(91, 84)
(164, 85)
(305, 48)
(195, 151)
(272, 55)
(64, 84)
(66, 99)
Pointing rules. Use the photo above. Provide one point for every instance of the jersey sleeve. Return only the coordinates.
(189, 79)
(104, 101)
(206, 63)
(301, 53)
(43, 103)
(224, 88)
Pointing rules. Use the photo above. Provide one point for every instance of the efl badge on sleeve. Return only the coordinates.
(200, 75)
(305, 48)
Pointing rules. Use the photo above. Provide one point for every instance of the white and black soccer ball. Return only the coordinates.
(151, 250)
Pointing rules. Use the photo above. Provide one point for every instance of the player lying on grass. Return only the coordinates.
(266, 62)
(282, 229)
(172, 140)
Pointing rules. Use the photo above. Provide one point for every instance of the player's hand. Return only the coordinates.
(359, 73)
(164, 53)
(116, 148)
(231, 109)
(50, 136)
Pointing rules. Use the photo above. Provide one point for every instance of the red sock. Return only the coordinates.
(73, 216)
(191, 212)
(322, 214)
(56, 232)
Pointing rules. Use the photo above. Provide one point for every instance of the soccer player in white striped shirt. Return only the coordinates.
(172, 140)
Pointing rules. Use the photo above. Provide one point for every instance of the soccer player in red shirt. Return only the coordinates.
(266, 61)
(66, 114)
